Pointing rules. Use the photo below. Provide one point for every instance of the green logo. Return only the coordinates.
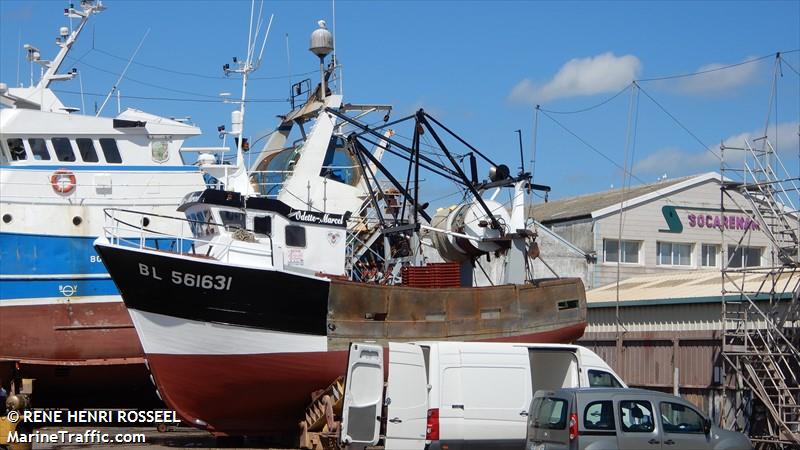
(672, 219)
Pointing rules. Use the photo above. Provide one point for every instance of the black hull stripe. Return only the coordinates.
(263, 299)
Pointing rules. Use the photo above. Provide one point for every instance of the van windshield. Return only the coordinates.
(550, 413)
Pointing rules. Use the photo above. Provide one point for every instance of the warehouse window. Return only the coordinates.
(674, 254)
(744, 256)
(630, 251)
(708, 255)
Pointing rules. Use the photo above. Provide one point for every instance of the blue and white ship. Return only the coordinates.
(62, 320)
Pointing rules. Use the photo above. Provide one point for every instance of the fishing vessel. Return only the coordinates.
(62, 320)
(252, 308)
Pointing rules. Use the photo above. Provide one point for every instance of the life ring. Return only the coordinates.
(62, 181)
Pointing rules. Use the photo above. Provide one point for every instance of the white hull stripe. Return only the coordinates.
(162, 334)
(61, 300)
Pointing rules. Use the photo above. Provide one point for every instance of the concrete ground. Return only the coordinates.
(180, 437)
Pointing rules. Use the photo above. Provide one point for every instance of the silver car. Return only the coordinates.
(599, 419)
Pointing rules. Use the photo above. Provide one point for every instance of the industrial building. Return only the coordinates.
(666, 227)
(693, 287)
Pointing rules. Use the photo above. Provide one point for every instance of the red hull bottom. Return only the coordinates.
(258, 394)
(80, 354)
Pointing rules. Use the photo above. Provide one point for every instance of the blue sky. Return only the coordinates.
(480, 67)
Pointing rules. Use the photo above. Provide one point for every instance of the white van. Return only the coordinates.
(457, 395)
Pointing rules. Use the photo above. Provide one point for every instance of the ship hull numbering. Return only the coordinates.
(239, 350)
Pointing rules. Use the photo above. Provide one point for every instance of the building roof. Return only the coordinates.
(691, 286)
(601, 203)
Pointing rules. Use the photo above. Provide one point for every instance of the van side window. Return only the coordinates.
(677, 418)
(637, 416)
(551, 413)
(39, 149)
(86, 149)
(17, 149)
(295, 236)
(599, 416)
(426, 355)
(601, 378)
(110, 150)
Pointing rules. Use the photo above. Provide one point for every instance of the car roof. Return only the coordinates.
(595, 392)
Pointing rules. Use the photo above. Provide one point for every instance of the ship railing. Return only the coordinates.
(122, 231)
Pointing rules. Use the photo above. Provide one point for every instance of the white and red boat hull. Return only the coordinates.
(244, 355)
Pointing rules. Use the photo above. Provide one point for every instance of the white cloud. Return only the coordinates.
(581, 76)
(719, 80)
(677, 162)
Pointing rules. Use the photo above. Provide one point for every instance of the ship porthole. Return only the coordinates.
(7, 218)
(77, 220)
(145, 221)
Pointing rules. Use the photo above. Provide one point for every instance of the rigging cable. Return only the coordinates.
(204, 76)
(678, 122)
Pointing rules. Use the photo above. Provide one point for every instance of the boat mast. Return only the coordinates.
(250, 64)
(65, 41)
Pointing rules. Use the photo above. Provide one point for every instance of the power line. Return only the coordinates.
(587, 108)
(265, 100)
(147, 84)
(593, 148)
(702, 72)
(199, 75)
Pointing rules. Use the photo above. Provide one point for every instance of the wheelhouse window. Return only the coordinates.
(63, 149)
(708, 255)
(599, 416)
(16, 149)
(270, 175)
(677, 418)
(295, 236)
(39, 149)
(622, 251)
(637, 416)
(339, 165)
(110, 150)
(744, 256)
(86, 149)
(674, 254)
(232, 219)
(262, 225)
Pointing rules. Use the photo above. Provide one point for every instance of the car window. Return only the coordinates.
(601, 378)
(677, 418)
(599, 416)
(551, 413)
(636, 416)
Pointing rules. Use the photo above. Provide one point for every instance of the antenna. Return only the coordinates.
(521, 157)
(288, 62)
(122, 75)
(335, 60)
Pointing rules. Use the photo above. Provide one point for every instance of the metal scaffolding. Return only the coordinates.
(760, 308)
